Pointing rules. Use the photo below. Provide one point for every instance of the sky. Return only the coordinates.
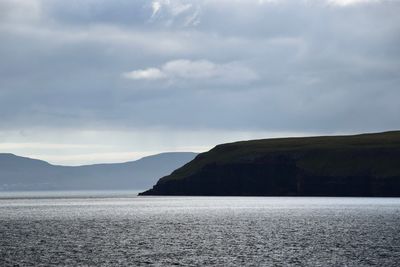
(88, 81)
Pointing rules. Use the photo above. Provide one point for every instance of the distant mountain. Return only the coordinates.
(358, 165)
(20, 173)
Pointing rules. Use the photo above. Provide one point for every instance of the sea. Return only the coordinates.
(122, 229)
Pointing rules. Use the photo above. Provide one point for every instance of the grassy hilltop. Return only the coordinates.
(358, 165)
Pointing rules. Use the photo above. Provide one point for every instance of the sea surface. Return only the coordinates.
(125, 230)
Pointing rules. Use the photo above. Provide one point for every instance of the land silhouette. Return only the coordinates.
(357, 165)
(21, 173)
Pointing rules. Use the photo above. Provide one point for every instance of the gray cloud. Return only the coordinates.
(292, 66)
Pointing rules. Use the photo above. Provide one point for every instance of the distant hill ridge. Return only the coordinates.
(22, 173)
(356, 165)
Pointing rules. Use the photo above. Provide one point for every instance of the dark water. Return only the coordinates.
(189, 231)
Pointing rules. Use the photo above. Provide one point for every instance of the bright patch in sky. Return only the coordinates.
(195, 70)
(350, 2)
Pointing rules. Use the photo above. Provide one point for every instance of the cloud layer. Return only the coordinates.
(200, 70)
(316, 66)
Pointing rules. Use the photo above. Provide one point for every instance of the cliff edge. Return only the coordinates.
(357, 165)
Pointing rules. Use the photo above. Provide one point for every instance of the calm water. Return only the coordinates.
(187, 231)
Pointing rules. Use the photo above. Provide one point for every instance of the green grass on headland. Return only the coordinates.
(370, 154)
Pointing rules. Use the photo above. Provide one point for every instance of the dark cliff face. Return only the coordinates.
(364, 165)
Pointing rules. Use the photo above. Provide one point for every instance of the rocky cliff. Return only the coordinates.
(358, 165)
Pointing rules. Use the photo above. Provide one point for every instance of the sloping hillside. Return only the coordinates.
(358, 165)
(20, 173)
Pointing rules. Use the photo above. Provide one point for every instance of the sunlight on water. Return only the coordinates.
(199, 231)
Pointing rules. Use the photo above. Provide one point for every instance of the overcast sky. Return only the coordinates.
(109, 81)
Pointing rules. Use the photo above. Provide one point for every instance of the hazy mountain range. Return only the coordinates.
(21, 173)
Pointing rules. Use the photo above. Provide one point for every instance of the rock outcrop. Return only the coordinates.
(358, 165)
